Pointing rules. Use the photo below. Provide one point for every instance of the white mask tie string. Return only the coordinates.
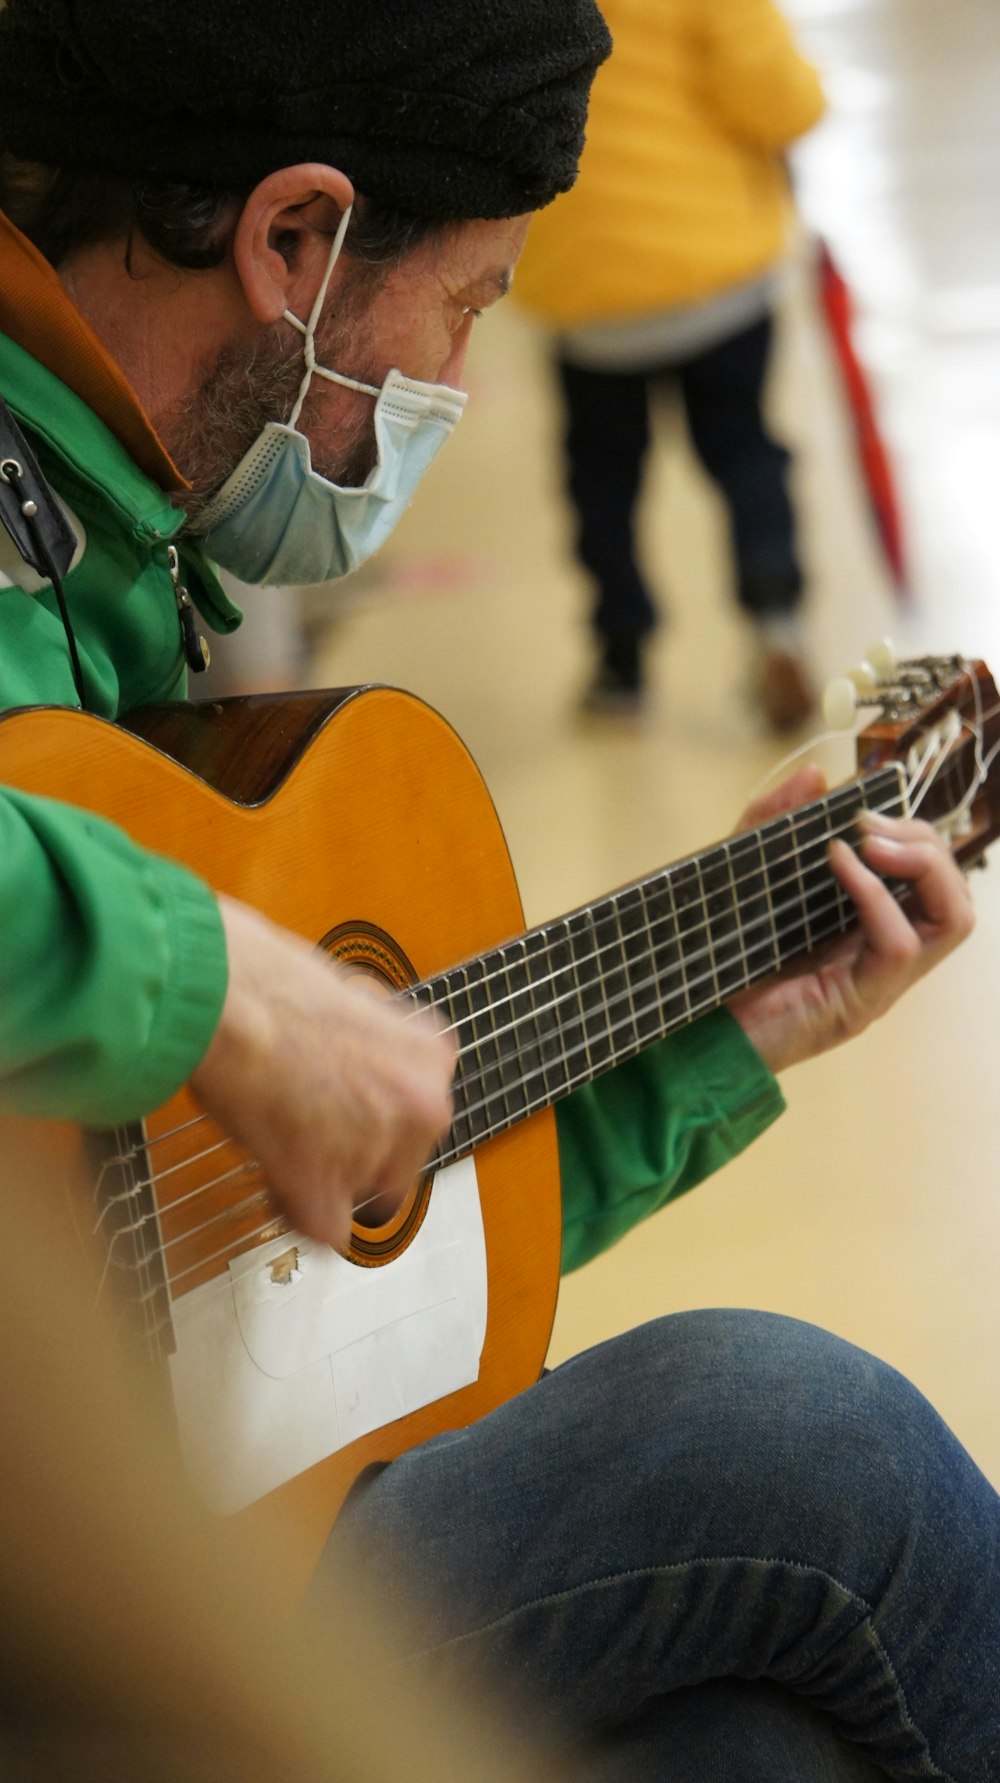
(308, 330)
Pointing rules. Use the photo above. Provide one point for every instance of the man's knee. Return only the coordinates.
(771, 1408)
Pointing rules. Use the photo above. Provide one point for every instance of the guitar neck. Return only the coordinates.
(558, 1006)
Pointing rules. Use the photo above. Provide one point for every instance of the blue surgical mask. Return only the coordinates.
(277, 521)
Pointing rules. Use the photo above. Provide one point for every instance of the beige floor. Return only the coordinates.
(873, 1207)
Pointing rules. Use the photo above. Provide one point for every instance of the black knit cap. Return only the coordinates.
(444, 108)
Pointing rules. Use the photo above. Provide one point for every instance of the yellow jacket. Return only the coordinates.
(682, 191)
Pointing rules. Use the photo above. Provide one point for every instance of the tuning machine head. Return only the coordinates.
(897, 689)
(860, 686)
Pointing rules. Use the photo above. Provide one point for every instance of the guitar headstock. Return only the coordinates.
(940, 717)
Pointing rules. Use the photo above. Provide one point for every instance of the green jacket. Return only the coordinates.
(85, 913)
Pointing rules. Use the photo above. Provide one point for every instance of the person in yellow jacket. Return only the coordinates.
(661, 264)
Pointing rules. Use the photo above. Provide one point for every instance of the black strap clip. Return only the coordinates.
(29, 511)
(41, 533)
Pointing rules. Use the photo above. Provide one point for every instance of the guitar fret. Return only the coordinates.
(678, 965)
(504, 1039)
(796, 853)
(782, 869)
(764, 950)
(517, 1011)
(739, 963)
(685, 982)
(886, 791)
(442, 996)
(596, 1014)
(813, 831)
(581, 987)
(448, 995)
(723, 907)
(685, 891)
(569, 1001)
(489, 1040)
(613, 968)
(626, 1024)
(644, 996)
(668, 958)
(732, 957)
(472, 977)
(772, 919)
(843, 909)
(555, 1071)
(655, 1007)
(709, 943)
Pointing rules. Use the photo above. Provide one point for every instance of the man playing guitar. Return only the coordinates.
(241, 262)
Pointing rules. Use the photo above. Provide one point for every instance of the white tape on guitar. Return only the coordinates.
(271, 1376)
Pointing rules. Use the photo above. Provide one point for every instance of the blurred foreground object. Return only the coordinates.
(140, 1637)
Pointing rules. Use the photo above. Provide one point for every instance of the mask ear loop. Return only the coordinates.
(308, 329)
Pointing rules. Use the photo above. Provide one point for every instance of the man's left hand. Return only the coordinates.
(833, 994)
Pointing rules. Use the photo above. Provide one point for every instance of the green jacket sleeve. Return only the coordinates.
(655, 1127)
(112, 967)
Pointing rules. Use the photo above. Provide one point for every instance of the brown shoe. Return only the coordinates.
(784, 691)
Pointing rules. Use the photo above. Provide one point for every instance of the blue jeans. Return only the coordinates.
(714, 1496)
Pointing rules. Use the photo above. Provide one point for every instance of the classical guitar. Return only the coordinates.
(358, 819)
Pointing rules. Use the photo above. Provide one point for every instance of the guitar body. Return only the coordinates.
(358, 820)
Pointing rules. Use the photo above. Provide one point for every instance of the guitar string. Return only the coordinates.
(158, 1176)
(806, 858)
(800, 856)
(531, 1107)
(160, 1251)
(631, 993)
(804, 916)
(629, 996)
(496, 1096)
(657, 982)
(247, 1239)
(934, 754)
(224, 1284)
(612, 1003)
(965, 803)
(981, 715)
(976, 732)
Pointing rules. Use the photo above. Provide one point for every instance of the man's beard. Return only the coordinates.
(254, 382)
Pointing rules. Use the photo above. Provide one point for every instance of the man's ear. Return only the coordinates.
(282, 240)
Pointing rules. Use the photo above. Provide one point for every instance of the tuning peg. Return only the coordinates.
(840, 703)
(864, 678)
(883, 659)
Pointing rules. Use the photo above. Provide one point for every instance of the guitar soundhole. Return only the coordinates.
(379, 1234)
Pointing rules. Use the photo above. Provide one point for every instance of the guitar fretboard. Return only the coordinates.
(556, 1007)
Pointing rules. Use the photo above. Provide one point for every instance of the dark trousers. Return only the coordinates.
(607, 437)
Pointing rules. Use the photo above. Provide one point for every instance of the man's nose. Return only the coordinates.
(451, 371)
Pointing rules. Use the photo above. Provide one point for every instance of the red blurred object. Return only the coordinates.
(838, 309)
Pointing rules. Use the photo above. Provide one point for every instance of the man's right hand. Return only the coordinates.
(340, 1095)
